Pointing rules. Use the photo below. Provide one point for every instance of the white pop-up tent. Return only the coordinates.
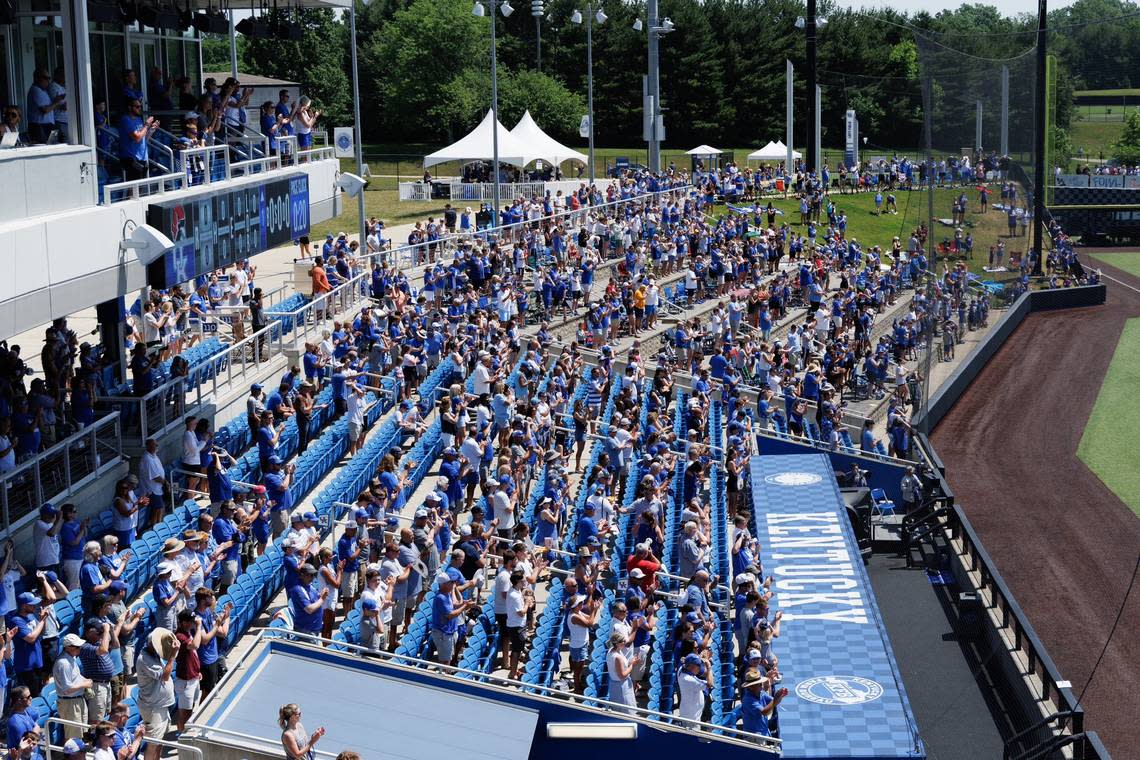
(538, 144)
(477, 145)
(773, 151)
(704, 150)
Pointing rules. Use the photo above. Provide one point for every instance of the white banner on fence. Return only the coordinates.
(1099, 180)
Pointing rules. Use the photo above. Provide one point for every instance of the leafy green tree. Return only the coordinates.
(556, 109)
(1127, 148)
(319, 62)
(216, 52)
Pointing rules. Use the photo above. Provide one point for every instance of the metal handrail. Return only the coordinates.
(133, 188)
(245, 737)
(63, 722)
(659, 720)
(34, 467)
(207, 155)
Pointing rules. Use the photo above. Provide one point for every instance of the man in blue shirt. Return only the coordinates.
(348, 550)
(305, 602)
(214, 626)
(227, 533)
(278, 482)
(444, 618)
(134, 131)
(268, 437)
(757, 706)
(27, 653)
(22, 717)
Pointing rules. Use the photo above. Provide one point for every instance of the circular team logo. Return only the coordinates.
(793, 479)
(344, 142)
(839, 690)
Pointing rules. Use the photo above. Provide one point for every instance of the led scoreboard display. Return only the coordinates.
(215, 229)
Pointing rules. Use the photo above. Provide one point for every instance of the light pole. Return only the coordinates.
(480, 10)
(536, 10)
(655, 125)
(576, 18)
(361, 224)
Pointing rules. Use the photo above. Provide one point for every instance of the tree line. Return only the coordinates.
(425, 68)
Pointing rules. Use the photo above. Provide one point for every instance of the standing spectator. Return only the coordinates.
(72, 536)
(153, 482)
(757, 705)
(232, 536)
(214, 625)
(694, 682)
(192, 447)
(187, 668)
(305, 602)
(911, 488)
(156, 686)
(42, 107)
(125, 508)
(444, 619)
(97, 664)
(27, 655)
(134, 131)
(22, 717)
(620, 665)
(295, 740)
(303, 120)
(70, 685)
(45, 537)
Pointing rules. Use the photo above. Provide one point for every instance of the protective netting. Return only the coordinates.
(979, 124)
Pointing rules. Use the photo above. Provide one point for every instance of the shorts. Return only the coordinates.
(348, 584)
(354, 431)
(501, 624)
(187, 693)
(230, 570)
(444, 645)
(580, 654)
(515, 637)
(399, 609)
(156, 722)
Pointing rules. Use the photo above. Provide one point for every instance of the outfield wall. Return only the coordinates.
(950, 391)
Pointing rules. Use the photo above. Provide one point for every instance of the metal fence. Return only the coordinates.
(60, 471)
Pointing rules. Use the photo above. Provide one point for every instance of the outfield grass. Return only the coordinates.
(1128, 261)
(1125, 92)
(1095, 137)
(1112, 434)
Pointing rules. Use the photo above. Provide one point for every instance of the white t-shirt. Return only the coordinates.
(354, 408)
(692, 695)
(516, 609)
(150, 468)
(502, 588)
(47, 546)
(8, 591)
(192, 448)
(503, 511)
(123, 522)
(579, 634)
(150, 326)
(482, 381)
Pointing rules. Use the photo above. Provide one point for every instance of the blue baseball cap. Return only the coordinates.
(53, 579)
(118, 587)
(28, 598)
(368, 603)
(311, 516)
(49, 509)
(274, 459)
(255, 387)
(455, 575)
(693, 659)
(361, 514)
(693, 618)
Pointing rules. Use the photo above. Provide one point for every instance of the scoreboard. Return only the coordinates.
(217, 228)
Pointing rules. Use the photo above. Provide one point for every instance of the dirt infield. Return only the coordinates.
(1065, 544)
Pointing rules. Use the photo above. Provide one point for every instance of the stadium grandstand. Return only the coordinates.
(629, 467)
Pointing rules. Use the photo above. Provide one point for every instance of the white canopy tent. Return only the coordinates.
(773, 151)
(704, 150)
(538, 144)
(477, 145)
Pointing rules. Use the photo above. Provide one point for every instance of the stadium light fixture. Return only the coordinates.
(600, 16)
(506, 9)
(479, 11)
(637, 26)
(576, 17)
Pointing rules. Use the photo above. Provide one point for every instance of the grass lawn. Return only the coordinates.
(1123, 260)
(1131, 92)
(870, 229)
(1112, 434)
(1095, 137)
